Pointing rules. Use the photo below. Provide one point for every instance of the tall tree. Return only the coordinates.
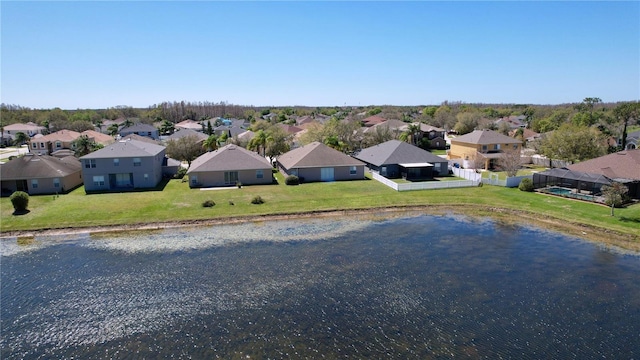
(510, 161)
(586, 115)
(20, 138)
(185, 149)
(259, 142)
(167, 127)
(113, 129)
(574, 143)
(627, 113)
(211, 143)
(83, 145)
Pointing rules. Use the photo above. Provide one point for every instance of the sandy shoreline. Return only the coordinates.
(599, 235)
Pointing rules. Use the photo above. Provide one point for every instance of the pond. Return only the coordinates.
(414, 286)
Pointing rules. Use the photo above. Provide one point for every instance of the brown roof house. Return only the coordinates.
(40, 174)
(45, 145)
(623, 166)
(318, 162)
(487, 144)
(123, 165)
(229, 166)
(98, 137)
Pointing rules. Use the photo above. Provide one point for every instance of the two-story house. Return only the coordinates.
(59, 140)
(147, 130)
(123, 165)
(487, 144)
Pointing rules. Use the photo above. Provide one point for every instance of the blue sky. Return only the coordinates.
(104, 54)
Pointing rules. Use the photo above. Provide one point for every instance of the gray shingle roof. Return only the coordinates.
(39, 167)
(126, 149)
(316, 155)
(397, 152)
(229, 158)
(138, 128)
(484, 137)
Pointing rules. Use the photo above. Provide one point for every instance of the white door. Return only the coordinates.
(326, 174)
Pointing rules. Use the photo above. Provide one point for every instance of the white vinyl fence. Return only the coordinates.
(430, 185)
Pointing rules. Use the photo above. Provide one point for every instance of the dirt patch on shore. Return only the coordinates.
(592, 233)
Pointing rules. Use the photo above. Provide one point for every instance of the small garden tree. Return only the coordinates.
(20, 202)
(510, 161)
(614, 194)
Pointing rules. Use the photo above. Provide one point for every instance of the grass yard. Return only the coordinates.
(177, 202)
(503, 175)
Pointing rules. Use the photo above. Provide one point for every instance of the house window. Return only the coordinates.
(259, 174)
(230, 177)
(137, 162)
(34, 183)
(496, 146)
(352, 170)
(41, 145)
(383, 171)
(515, 146)
(34, 145)
(149, 134)
(58, 145)
(146, 176)
(98, 180)
(484, 147)
(116, 162)
(90, 163)
(56, 183)
(194, 180)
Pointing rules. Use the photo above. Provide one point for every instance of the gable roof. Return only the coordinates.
(30, 126)
(189, 124)
(397, 152)
(389, 124)
(139, 138)
(33, 166)
(484, 137)
(62, 135)
(316, 154)
(126, 149)
(98, 137)
(229, 158)
(372, 120)
(289, 129)
(187, 132)
(139, 127)
(623, 165)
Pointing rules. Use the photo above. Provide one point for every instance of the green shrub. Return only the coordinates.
(208, 203)
(257, 200)
(292, 180)
(181, 173)
(20, 201)
(526, 184)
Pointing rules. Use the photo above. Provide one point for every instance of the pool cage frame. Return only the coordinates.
(563, 177)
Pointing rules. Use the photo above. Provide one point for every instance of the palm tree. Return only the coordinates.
(83, 145)
(414, 131)
(20, 138)
(113, 129)
(127, 123)
(211, 143)
(258, 142)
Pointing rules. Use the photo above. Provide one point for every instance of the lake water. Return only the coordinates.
(421, 287)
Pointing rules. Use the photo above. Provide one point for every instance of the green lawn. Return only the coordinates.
(503, 175)
(177, 202)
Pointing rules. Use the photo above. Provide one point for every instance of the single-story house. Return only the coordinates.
(229, 165)
(318, 162)
(40, 174)
(623, 167)
(147, 130)
(200, 136)
(123, 165)
(189, 125)
(395, 159)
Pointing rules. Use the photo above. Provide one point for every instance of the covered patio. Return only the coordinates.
(416, 171)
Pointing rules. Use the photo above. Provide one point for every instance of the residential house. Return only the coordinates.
(30, 129)
(435, 135)
(123, 165)
(141, 138)
(318, 162)
(147, 130)
(98, 138)
(633, 141)
(45, 145)
(189, 125)
(511, 122)
(228, 166)
(201, 137)
(623, 166)
(528, 136)
(395, 127)
(395, 159)
(373, 120)
(488, 145)
(40, 174)
(289, 129)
